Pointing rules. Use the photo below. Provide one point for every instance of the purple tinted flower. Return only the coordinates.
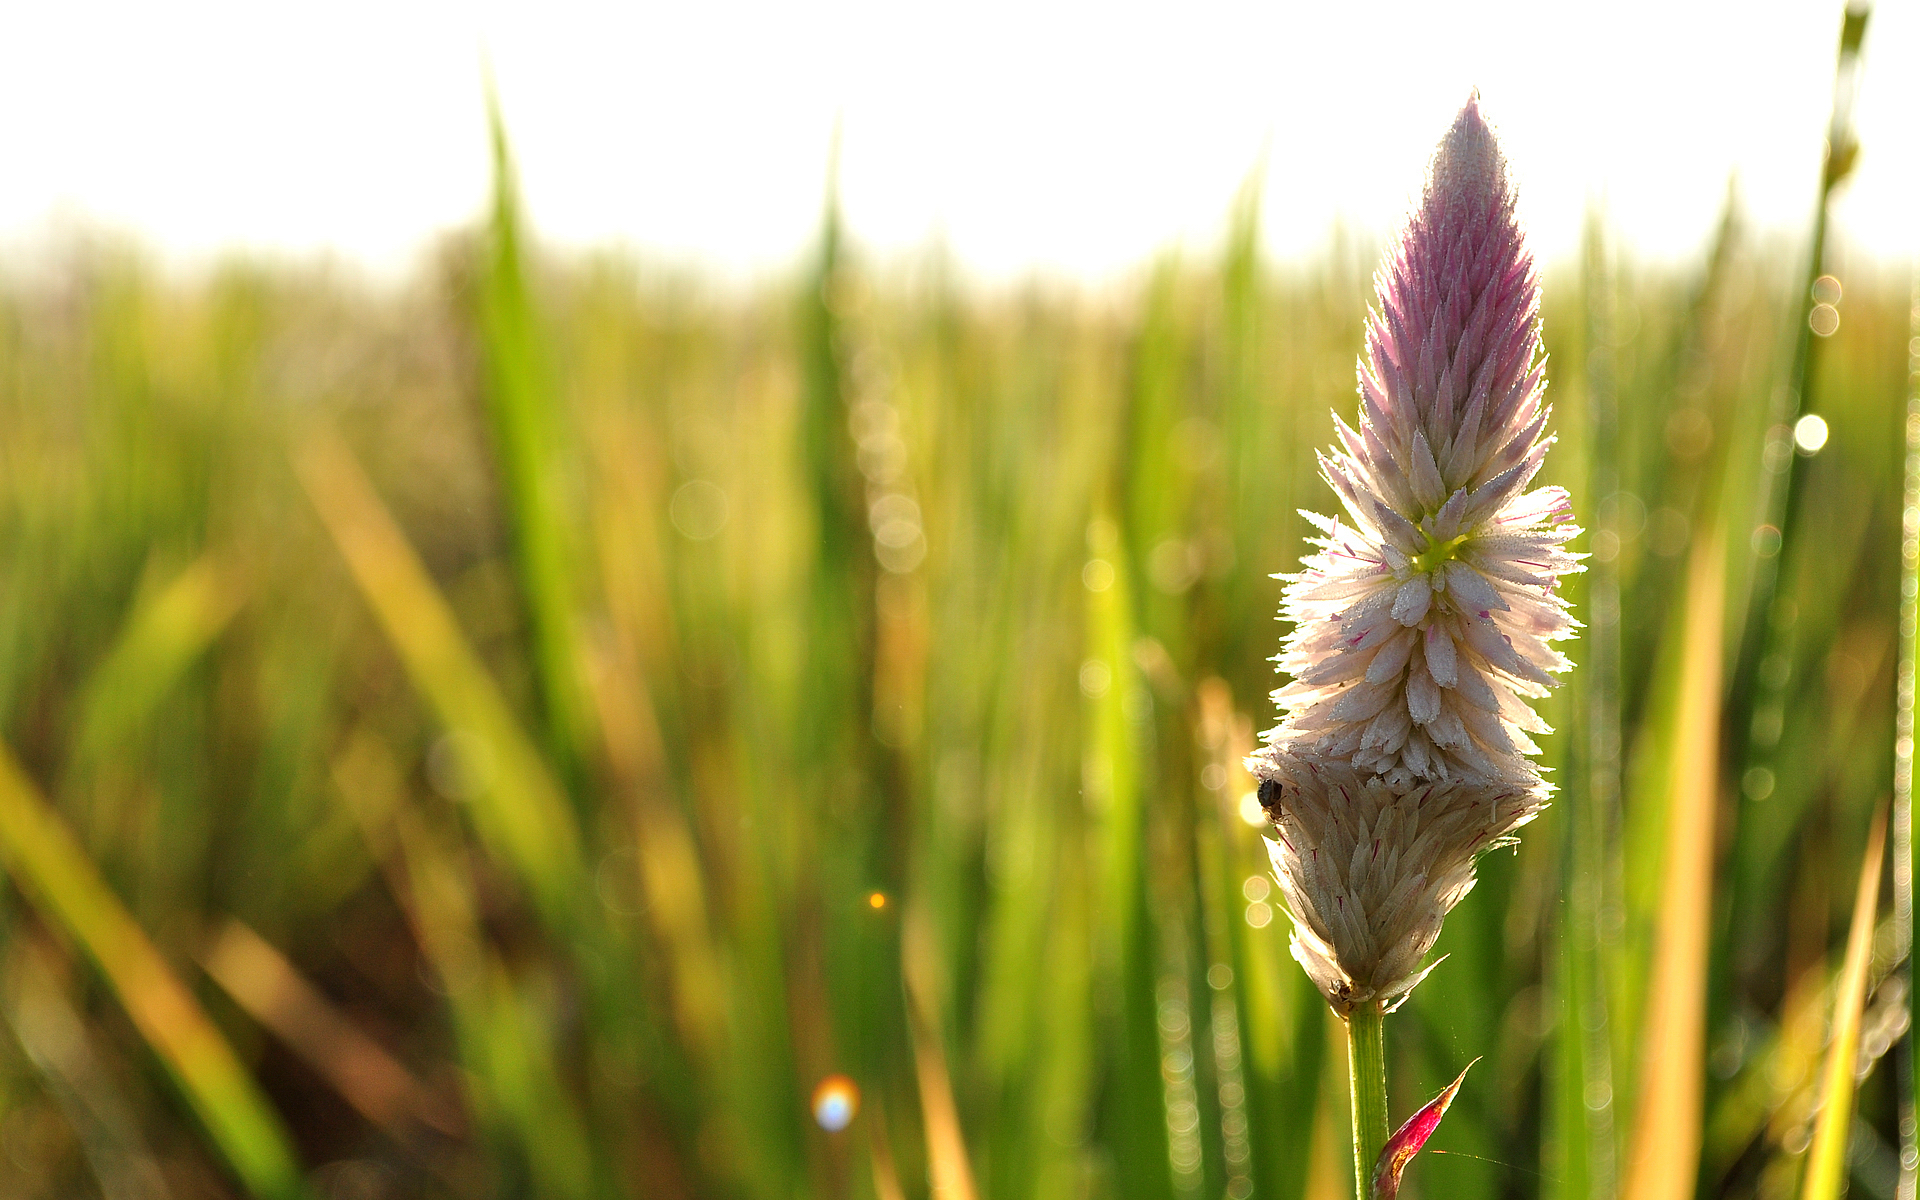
(1427, 620)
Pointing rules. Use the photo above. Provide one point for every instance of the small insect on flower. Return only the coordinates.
(1271, 795)
(1427, 620)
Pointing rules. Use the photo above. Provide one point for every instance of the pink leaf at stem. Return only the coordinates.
(1407, 1140)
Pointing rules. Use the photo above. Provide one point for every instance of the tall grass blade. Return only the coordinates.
(949, 1168)
(274, 993)
(524, 415)
(1665, 1148)
(1582, 1149)
(43, 856)
(518, 807)
(671, 881)
(1115, 781)
(516, 1091)
(171, 625)
(1785, 487)
(1827, 1161)
(1908, 632)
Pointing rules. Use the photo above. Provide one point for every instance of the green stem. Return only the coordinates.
(1367, 1084)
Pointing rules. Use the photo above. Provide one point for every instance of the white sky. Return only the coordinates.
(1073, 138)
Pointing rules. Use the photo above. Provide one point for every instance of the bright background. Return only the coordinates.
(1072, 138)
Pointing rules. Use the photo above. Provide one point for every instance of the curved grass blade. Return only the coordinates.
(52, 869)
(1827, 1161)
(519, 810)
(273, 992)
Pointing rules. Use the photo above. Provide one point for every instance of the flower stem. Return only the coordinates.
(1367, 1084)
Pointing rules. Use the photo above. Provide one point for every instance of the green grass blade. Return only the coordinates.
(170, 627)
(518, 807)
(524, 415)
(1784, 487)
(1827, 1161)
(1114, 777)
(56, 873)
(1582, 1138)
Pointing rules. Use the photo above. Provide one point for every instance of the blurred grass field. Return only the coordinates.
(521, 732)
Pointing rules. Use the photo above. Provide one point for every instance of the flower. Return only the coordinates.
(1427, 620)
(1369, 873)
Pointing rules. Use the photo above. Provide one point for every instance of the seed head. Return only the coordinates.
(1427, 620)
(1369, 873)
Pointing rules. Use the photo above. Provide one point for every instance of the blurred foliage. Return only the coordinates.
(553, 715)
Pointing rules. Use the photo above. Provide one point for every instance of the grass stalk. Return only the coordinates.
(1903, 725)
(1667, 1121)
(1367, 1088)
(1584, 1112)
(1827, 1161)
(522, 407)
(518, 807)
(1782, 486)
(42, 855)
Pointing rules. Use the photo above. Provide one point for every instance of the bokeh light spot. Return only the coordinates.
(1250, 810)
(1810, 433)
(698, 510)
(876, 900)
(835, 1103)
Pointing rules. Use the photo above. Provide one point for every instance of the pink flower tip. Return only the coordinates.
(1409, 1138)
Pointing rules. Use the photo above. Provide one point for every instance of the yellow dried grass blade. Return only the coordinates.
(518, 810)
(1827, 1162)
(1665, 1150)
(274, 993)
(948, 1166)
(52, 869)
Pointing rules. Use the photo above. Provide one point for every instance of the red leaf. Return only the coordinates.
(1407, 1140)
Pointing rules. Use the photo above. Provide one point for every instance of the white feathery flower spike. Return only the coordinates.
(1428, 619)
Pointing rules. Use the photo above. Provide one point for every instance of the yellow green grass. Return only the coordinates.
(613, 702)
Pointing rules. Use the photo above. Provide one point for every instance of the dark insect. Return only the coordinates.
(1270, 794)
